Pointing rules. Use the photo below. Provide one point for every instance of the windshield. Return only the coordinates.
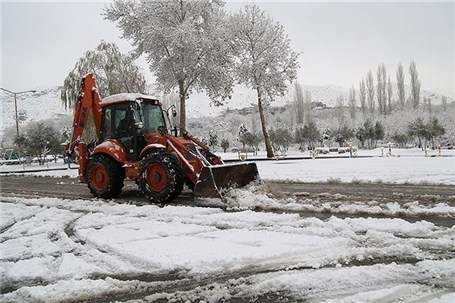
(153, 117)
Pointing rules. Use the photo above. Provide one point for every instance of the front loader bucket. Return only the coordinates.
(214, 179)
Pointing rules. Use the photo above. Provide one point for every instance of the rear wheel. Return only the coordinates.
(161, 177)
(104, 177)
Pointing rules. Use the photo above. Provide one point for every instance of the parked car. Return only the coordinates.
(322, 150)
(343, 150)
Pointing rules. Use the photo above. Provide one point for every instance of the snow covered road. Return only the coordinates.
(56, 251)
(391, 243)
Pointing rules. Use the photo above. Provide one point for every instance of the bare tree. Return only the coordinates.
(265, 58)
(352, 103)
(299, 103)
(370, 91)
(415, 85)
(389, 95)
(384, 88)
(308, 101)
(400, 85)
(185, 43)
(379, 90)
(444, 103)
(340, 110)
(363, 97)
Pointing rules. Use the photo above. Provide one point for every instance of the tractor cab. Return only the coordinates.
(132, 120)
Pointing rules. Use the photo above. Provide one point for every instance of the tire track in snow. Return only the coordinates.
(187, 284)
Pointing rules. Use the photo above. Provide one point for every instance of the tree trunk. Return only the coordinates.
(182, 98)
(268, 144)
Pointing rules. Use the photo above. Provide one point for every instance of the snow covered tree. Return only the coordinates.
(185, 45)
(415, 85)
(224, 144)
(434, 130)
(299, 103)
(252, 140)
(389, 96)
(281, 139)
(363, 97)
(340, 109)
(379, 132)
(352, 103)
(370, 91)
(213, 139)
(241, 134)
(384, 89)
(379, 90)
(265, 61)
(343, 134)
(308, 134)
(417, 129)
(308, 111)
(366, 133)
(39, 139)
(444, 103)
(114, 72)
(400, 85)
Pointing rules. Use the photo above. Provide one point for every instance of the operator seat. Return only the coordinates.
(123, 129)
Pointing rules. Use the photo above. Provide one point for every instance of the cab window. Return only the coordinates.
(153, 117)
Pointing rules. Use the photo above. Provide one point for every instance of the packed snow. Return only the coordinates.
(56, 250)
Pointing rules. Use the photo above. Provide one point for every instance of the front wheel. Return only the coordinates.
(161, 177)
(104, 177)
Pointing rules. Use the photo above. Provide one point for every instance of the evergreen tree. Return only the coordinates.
(224, 144)
(308, 134)
(343, 134)
(281, 139)
(417, 129)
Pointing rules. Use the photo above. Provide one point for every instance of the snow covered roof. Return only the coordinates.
(127, 97)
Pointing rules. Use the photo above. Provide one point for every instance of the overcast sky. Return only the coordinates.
(339, 42)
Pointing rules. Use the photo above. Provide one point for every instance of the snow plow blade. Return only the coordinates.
(214, 179)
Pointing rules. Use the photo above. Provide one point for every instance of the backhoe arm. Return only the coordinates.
(88, 99)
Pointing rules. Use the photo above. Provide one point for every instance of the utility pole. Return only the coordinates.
(14, 94)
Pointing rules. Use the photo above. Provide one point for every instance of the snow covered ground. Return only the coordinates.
(54, 250)
(408, 166)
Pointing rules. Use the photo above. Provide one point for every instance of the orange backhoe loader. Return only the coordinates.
(134, 143)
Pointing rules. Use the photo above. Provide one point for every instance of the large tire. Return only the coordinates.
(161, 177)
(104, 177)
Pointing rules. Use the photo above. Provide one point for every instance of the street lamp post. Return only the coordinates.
(15, 103)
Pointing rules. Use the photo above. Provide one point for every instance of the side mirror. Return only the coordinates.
(174, 112)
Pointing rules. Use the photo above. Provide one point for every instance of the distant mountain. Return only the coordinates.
(200, 105)
(46, 103)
